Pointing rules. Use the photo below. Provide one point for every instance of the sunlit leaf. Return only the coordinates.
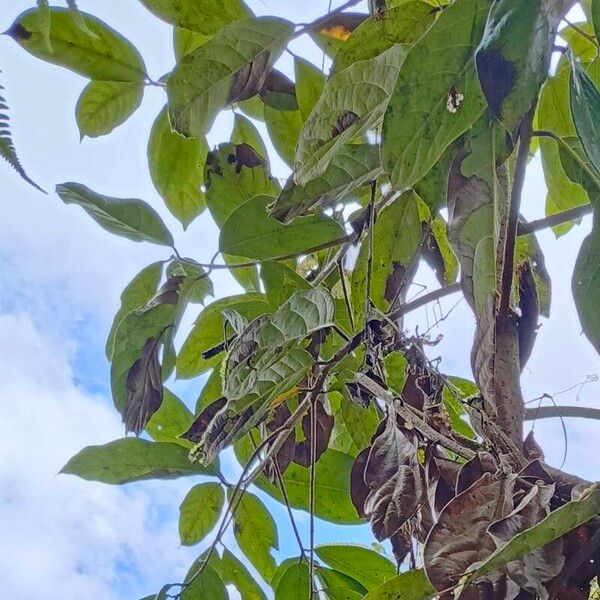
(132, 459)
(104, 105)
(171, 420)
(199, 512)
(412, 585)
(106, 55)
(133, 219)
(295, 583)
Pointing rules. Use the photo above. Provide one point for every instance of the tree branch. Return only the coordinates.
(556, 219)
(550, 412)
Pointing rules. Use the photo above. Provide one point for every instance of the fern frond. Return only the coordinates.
(7, 148)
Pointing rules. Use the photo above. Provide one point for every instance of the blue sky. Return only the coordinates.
(60, 280)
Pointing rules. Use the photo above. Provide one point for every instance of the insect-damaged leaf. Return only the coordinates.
(556, 524)
(256, 533)
(144, 387)
(105, 55)
(250, 232)
(206, 17)
(352, 103)
(353, 166)
(437, 96)
(132, 459)
(176, 168)
(586, 284)
(133, 219)
(460, 538)
(393, 476)
(104, 105)
(403, 24)
(512, 59)
(231, 66)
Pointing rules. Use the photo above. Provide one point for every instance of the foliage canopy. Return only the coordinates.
(412, 148)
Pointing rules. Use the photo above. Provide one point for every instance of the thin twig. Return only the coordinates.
(313, 461)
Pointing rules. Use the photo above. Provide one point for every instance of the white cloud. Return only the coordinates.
(63, 537)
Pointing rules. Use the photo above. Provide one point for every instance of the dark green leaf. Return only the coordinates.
(585, 109)
(437, 96)
(295, 583)
(132, 459)
(133, 219)
(104, 105)
(412, 585)
(256, 533)
(199, 512)
(586, 284)
(176, 167)
(250, 232)
(106, 55)
(366, 566)
(222, 71)
(202, 16)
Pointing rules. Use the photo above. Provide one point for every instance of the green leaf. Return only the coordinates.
(360, 423)
(250, 232)
(104, 105)
(484, 273)
(586, 284)
(426, 113)
(554, 115)
(78, 18)
(332, 484)
(197, 285)
(199, 512)
(139, 291)
(244, 132)
(412, 585)
(176, 168)
(295, 583)
(284, 128)
(556, 524)
(202, 16)
(353, 166)
(339, 586)
(403, 24)
(595, 9)
(235, 573)
(256, 533)
(280, 282)
(45, 21)
(208, 585)
(310, 82)
(222, 71)
(397, 235)
(366, 566)
(207, 332)
(449, 260)
(106, 55)
(7, 148)
(171, 420)
(352, 103)
(132, 459)
(578, 167)
(461, 390)
(513, 57)
(133, 219)
(185, 41)
(585, 109)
